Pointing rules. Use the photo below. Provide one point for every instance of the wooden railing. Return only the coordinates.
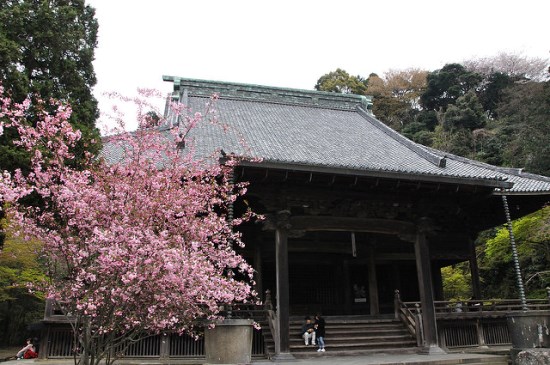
(271, 316)
(59, 339)
(411, 318)
(466, 323)
(486, 307)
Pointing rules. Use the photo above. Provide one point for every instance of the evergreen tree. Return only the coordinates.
(340, 81)
(47, 49)
(447, 85)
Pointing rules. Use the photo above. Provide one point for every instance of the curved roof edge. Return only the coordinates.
(497, 184)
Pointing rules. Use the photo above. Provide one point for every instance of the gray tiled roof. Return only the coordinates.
(338, 136)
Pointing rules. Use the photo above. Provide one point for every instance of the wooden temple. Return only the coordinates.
(354, 210)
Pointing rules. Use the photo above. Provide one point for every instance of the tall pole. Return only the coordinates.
(519, 280)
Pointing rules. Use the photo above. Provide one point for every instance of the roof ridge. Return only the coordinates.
(439, 161)
(280, 95)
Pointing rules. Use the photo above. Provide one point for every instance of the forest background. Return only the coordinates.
(494, 109)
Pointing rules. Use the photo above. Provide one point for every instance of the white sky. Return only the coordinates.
(291, 43)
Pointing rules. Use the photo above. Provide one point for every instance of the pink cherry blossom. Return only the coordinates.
(135, 245)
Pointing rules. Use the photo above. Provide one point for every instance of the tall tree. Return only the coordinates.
(396, 96)
(446, 85)
(492, 91)
(19, 266)
(524, 113)
(513, 64)
(340, 81)
(140, 244)
(47, 49)
(467, 113)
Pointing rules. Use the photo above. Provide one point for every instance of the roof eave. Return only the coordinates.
(494, 183)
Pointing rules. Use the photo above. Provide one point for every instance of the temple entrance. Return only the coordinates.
(328, 274)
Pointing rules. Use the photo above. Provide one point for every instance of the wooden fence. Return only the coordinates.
(466, 324)
(170, 346)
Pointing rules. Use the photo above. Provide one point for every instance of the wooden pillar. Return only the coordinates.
(373, 284)
(165, 345)
(474, 270)
(282, 340)
(423, 268)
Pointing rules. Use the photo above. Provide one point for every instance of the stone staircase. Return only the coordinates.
(351, 335)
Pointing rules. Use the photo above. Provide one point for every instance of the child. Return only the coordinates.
(27, 352)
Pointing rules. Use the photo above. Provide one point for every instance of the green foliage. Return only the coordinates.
(445, 86)
(493, 91)
(47, 49)
(524, 115)
(394, 112)
(19, 308)
(466, 113)
(457, 141)
(532, 235)
(456, 282)
(340, 81)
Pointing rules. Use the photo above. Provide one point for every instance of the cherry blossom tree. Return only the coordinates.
(137, 245)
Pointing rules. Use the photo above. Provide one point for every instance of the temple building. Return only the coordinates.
(354, 210)
(359, 220)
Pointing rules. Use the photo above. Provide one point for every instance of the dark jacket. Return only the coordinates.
(320, 324)
(306, 327)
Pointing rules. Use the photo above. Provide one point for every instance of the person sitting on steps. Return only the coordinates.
(308, 332)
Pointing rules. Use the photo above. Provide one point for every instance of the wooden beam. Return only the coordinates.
(351, 224)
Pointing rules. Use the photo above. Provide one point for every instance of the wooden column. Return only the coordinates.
(282, 340)
(474, 270)
(423, 268)
(373, 284)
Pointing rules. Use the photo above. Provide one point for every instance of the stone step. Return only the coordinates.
(332, 346)
(338, 330)
(358, 340)
(354, 326)
(349, 336)
(351, 321)
(312, 353)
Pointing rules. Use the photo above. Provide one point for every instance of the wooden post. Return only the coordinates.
(423, 268)
(418, 325)
(282, 343)
(480, 335)
(373, 284)
(165, 340)
(396, 304)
